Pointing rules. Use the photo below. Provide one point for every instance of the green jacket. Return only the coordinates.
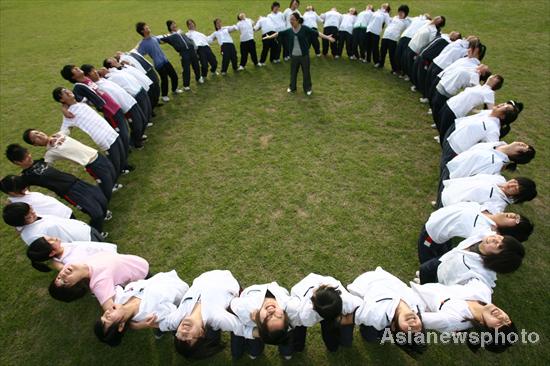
(305, 35)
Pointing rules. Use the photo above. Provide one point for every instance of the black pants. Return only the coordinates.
(295, 63)
(372, 47)
(446, 120)
(283, 40)
(345, 39)
(96, 235)
(165, 71)
(447, 152)
(117, 155)
(189, 60)
(428, 249)
(103, 172)
(431, 80)
(443, 176)
(145, 104)
(90, 200)
(118, 123)
(248, 48)
(437, 103)
(229, 54)
(400, 52)
(358, 42)
(316, 44)
(330, 31)
(417, 64)
(271, 47)
(370, 333)
(206, 57)
(388, 46)
(409, 58)
(254, 347)
(428, 271)
(421, 75)
(154, 89)
(332, 337)
(138, 125)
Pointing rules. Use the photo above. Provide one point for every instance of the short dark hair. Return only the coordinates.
(298, 17)
(527, 190)
(87, 69)
(68, 294)
(415, 346)
(272, 337)
(67, 73)
(327, 302)
(140, 26)
(27, 135)
(16, 153)
(39, 252)
(521, 158)
(520, 231)
(107, 63)
(275, 4)
(189, 21)
(202, 348)
(14, 213)
(293, 1)
(57, 93)
(215, 20)
(509, 259)
(169, 24)
(442, 24)
(485, 75)
(499, 83)
(404, 9)
(13, 183)
(495, 346)
(111, 335)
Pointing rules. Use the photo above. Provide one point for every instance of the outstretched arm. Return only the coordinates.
(274, 35)
(328, 38)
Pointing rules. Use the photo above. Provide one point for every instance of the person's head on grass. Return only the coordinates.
(217, 24)
(501, 340)
(71, 283)
(495, 81)
(111, 62)
(513, 224)
(42, 250)
(475, 48)
(191, 25)
(501, 253)
(327, 302)
(91, 72)
(112, 325)
(72, 74)
(143, 29)
(294, 5)
(407, 321)
(519, 189)
(19, 214)
(35, 137)
(13, 185)
(19, 156)
(386, 7)
(403, 11)
(199, 346)
(272, 322)
(275, 6)
(518, 153)
(296, 20)
(438, 22)
(507, 113)
(454, 35)
(64, 95)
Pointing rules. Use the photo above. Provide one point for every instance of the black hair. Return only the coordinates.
(527, 190)
(442, 24)
(520, 231)
(140, 26)
(417, 344)
(16, 153)
(68, 294)
(499, 83)
(215, 26)
(13, 183)
(67, 73)
(111, 336)
(293, 1)
(388, 8)
(107, 63)
(27, 135)
(14, 213)
(202, 348)
(509, 259)
(485, 75)
(521, 158)
(57, 93)
(87, 69)
(274, 4)
(298, 17)
(482, 51)
(495, 346)
(327, 302)
(189, 21)
(39, 252)
(272, 337)
(169, 24)
(404, 9)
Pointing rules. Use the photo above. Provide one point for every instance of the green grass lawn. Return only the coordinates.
(239, 175)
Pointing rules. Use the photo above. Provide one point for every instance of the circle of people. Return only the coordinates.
(453, 286)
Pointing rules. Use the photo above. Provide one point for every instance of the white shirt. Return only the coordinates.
(331, 19)
(132, 61)
(381, 293)
(480, 127)
(246, 29)
(416, 24)
(459, 266)
(199, 38)
(67, 148)
(143, 79)
(286, 14)
(121, 96)
(125, 80)
(452, 81)
(68, 230)
(446, 306)
(396, 27)
(265, 24)
(347, 23)
(159, 295)
(278, 20)
(79, 251)
(300, 308)
(215, 290)
(463, 62)
(462, 219)
(222, 35)
(378, 19)
(43, 205)
(363, 19)
(452, 52)
(311, 19)
(252, 298)
(482, 188)
(462, 103)
(482, 158)
(92, 124)
(423, 37)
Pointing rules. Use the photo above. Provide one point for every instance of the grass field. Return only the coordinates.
(239, 175)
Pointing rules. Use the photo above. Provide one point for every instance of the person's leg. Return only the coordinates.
(325, 42)
(252, 51)
(316, 46)
(122, 129)
(276, 50)
(173, 76)
(384, 46)
(244, 53)
(203, 59)
(392, 45)
(233, 56)
(101, 170)
(255, 347)
(428, 271)
(400, 52)
(154, 89)
(375, 49)
(305, 62)
(421, 77)
(438, 101)
(443, 176)
(163, 73)
(331, 335)
(299, 338)
(355, 42)
(446, 120)
(195, 64)
(369, 44)
(418, 62)
(225, 57)
(116, 155)
(294, 66)
(265, 49)
(369, 333)
(284, 44)
(426, 246)
(349, 45)
(186, 68)
(334, 45)
(138, 125)
(212, 60)
(346, 335)
(144, 105)
(447, 153)
(96, 235)
(341, 43)
(90, 200)
(237, 346)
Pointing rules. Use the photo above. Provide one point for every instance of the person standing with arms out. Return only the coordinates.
(345, 33)
(311, 18)
(374, 28)
(248, 45)
(149, 45)
(398, 24)
(206, 56)
(279, 24)
(229, 53)
(299, 41)
(292, 8)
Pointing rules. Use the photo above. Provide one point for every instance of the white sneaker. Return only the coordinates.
(353, 58)
(117, 186)
(377, 65)
(252, 357)
(288, 357)
(433, 126)
(286, 58)
(413, 88)
(224, 73)
(104, 234)
(150, 124)
(288, 90)
(394, 73)
(165, 98)
(436, 138)
(318, 55)
(241, 68)
(433, 204)
(178, 91)
(108, 215)
(416, 280)
(429, 111)
(309, 92)
(336, 57)
(364, 60)
(276, 61)
(406, 78)
(424, 100)
(217, 73)
(201, 80)
(186, 88)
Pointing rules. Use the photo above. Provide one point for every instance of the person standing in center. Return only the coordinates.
(299, 40)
